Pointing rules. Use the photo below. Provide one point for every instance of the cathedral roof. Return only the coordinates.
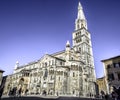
(52, 57)
(57, 53)
(57, 58)
(33, 62)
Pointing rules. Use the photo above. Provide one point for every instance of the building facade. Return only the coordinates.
(101, 85)
(1, 75)
(67, 72)
(112, 73)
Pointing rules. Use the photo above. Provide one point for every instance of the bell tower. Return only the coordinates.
(81, 39)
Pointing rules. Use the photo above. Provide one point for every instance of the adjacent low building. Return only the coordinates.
(101, 85)
(1, 75)
(112, 73)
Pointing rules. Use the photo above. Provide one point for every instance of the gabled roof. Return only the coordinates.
(33, 62)
(51, 56)
(30, 63)
(57, 58)
(57, 53)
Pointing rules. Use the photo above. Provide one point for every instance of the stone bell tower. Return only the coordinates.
(81, 39)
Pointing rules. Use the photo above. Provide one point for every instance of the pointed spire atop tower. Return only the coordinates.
(80, 12)
(81, 20)
(79, 5)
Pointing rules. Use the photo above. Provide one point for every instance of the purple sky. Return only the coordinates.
(30, 28)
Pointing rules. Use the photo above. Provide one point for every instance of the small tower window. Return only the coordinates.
(78, 26)
(80, 50)
(87, 40)
(82, 25)
(87, 33)
(76, 34)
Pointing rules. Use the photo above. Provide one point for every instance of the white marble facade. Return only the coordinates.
(68, 72)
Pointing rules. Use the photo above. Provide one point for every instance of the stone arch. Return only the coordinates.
(21, 81)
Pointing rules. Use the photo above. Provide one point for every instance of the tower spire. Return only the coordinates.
(80, 12)
(81, 20)
(79, 5)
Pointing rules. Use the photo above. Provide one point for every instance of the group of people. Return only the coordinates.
(44, 92)
(16, 92)
(115, 95)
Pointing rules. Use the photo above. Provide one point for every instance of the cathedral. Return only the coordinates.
(69, 72)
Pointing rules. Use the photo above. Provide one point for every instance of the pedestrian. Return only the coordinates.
(57, 93)
(90, 95)
(106, 97)
(45, 93)
(1, 91)
(114, 95)
(19, 92)
(10, 92)
(26, 92)
(102, 94)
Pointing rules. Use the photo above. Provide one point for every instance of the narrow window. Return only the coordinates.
(59, 78)
(108, 66)
(73, 74)
(110, 77)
